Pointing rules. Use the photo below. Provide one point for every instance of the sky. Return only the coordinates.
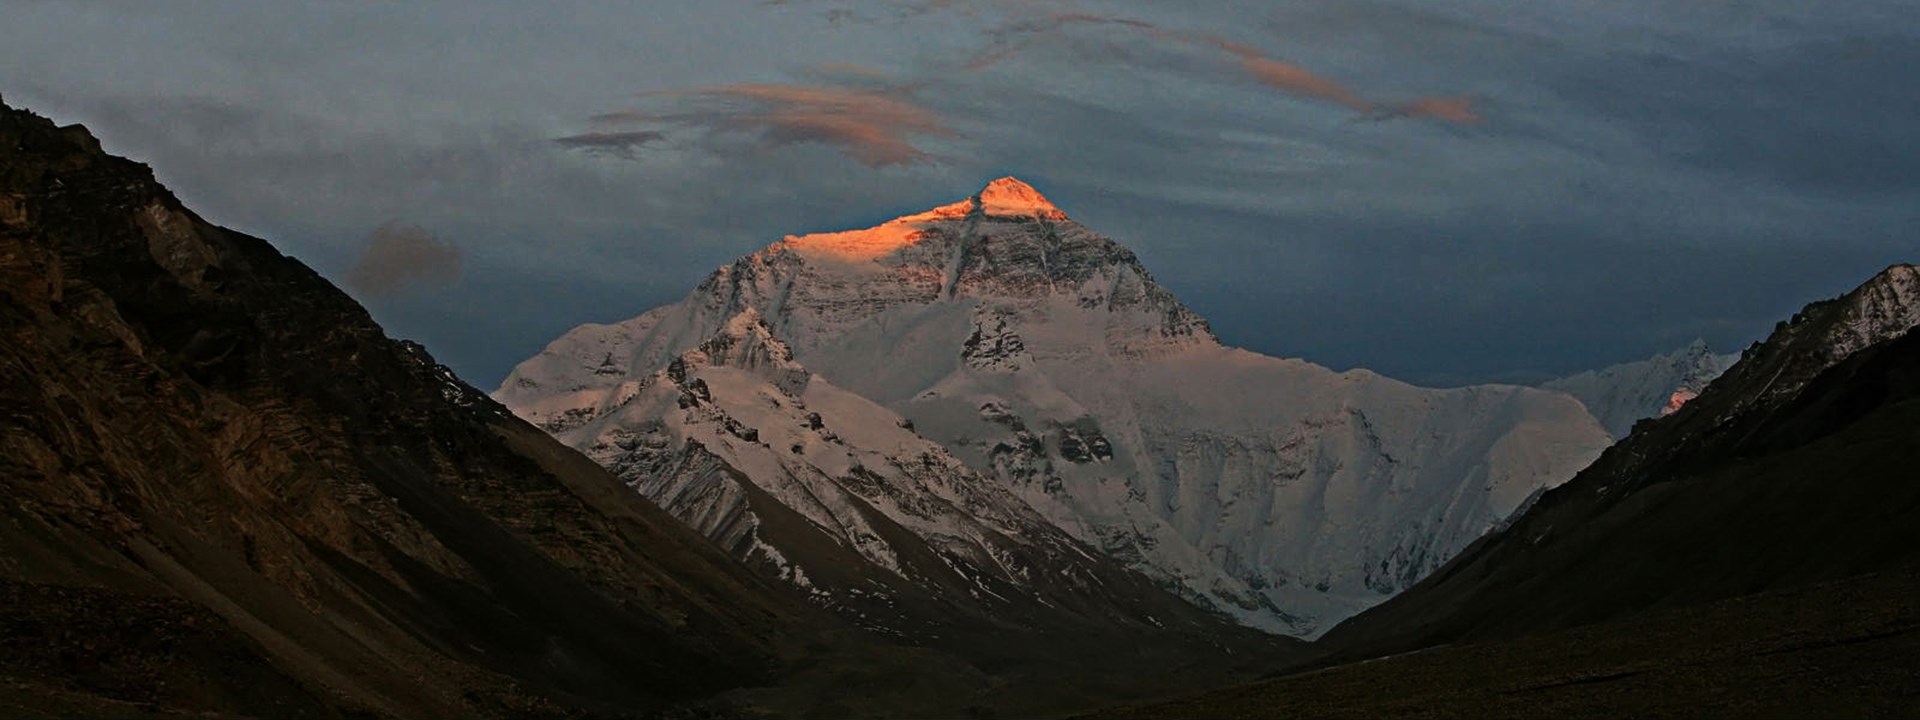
(1445, 191)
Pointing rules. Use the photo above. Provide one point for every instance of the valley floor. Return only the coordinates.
(1844, 649)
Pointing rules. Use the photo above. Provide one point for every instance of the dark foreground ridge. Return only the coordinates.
(228, 491)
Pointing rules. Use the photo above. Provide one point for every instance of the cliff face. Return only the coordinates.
(214, 458)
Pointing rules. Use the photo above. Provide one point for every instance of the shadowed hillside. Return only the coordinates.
(229, 491)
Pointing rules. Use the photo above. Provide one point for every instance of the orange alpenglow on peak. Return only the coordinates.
(1006, 197)
(1677, 400)
(1010, 196)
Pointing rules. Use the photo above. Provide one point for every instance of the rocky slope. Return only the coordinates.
(229, 493)
(1044, 356)
(1624, 394)
(1796, 466)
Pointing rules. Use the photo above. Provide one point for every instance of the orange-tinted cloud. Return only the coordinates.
(1283, 76)
(1291, 78)
(850, 107)
(1297, 80)
(1459, 109)
(398, 257)
(877, 127)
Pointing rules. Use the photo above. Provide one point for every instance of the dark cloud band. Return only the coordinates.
(399, 257)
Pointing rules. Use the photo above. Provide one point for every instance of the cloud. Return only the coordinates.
(1292, 79)
(850, 70)
(616, 144)
(849, 106)
(876, 127)
(1459, 109)
(1013, 38)
(1660, 170)
(399, 257)
(1299, 81)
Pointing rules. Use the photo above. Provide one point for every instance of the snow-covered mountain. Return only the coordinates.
(1624, 394)
(1043, 355)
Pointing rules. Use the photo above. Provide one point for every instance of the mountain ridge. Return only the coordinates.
(1621, 395)
(1799, 448)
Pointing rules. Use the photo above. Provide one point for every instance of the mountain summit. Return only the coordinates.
(1006, 198)
(1045, 358)
(1009, 197)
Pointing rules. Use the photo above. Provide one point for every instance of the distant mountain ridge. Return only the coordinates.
(1621, 395)
(1795, 466)
(1043, 355)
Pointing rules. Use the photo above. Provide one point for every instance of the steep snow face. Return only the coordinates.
(1277, 491)
(1624, 394)
(738, 439)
